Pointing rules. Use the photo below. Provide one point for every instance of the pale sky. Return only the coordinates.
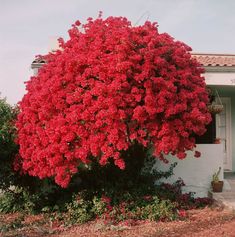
(27, 26)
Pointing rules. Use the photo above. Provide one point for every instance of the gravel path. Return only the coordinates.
(206, 222)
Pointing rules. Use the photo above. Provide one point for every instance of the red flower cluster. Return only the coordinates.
(182, 213)
(110, 84)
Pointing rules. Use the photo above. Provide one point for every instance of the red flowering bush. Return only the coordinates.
(110, 85)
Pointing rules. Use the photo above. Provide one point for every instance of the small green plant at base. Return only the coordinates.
(78, 211)
(99, 206)
(215, 177)
(156, 210)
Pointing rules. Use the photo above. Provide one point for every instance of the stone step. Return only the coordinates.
(232, 181)
(225, 194)
(229, 185)
(225, 199)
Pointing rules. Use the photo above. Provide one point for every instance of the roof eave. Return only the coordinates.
(37, 65)
(219, 69)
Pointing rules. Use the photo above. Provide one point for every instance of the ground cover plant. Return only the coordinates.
(199, 223)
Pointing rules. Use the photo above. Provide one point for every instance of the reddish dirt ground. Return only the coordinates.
(199, 223)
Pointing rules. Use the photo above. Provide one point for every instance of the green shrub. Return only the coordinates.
(156, 210)
(19, 192)
(8, 148)
(99, 206)
(18, 199)
(79, 210)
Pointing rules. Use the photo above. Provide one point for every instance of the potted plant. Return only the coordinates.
(216, 183)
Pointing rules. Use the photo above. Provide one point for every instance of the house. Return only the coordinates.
(36, 64)
(220, 77)
(219, 148)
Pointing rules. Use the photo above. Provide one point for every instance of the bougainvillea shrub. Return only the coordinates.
(109, 86)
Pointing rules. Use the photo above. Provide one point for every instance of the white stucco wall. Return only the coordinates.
(196, 172)
(220, 78)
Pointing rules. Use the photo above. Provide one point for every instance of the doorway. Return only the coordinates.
(223, 132)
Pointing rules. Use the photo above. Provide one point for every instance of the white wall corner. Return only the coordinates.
(196, 172)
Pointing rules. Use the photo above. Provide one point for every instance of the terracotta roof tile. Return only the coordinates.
(219, 60)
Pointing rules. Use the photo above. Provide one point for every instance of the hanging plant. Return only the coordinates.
(214, 107)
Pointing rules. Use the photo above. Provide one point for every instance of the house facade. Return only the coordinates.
(219, 148)
(220, 77)
(36, 65)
